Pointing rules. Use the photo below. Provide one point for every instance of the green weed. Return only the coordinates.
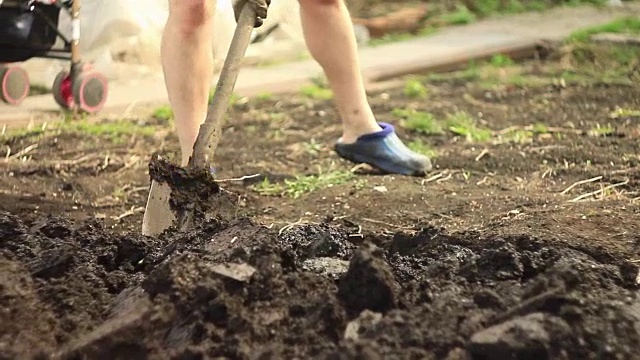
(22, 133)
(317, 92)
(414, 88)
(519, 136)
(115, 131)
(466, 175)
(624, 113)
(462, 124)
(422, 148)
(500, 60)
(598, 130)
(540, 128)
(163, 113)
(264, 96)
(461, 16)
(301, 185)
(472, 71)
(629, 24)
(312, 147)
(419, 121)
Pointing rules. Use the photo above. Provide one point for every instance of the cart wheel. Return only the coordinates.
(14, 84)
(90, 91)
(62, 92)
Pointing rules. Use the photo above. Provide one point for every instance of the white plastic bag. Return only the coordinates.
(131, 31)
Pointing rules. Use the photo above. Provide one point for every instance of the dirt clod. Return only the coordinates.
(369, 283)
(367, 319)
(524, 337)
(193, 191)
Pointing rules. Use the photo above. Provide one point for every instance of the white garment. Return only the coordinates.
(131, 31)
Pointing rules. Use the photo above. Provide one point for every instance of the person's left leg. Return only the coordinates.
(330, 38)
(187, 62)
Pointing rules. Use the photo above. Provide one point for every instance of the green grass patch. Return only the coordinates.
(163, 113)
(600, 131)
(264, 96)
(415, 89)
(520, 136)
(540, 128)
(466, 12)
(115, 131)
(421, 122)
(22, 133)
(628, 24)
(312, 147)
(461, 16)
(422, 148)
(463, 124)
(601, 63)
(317, 92)
(303, 184)
(425, 123)
(500, 61)
(624, 113)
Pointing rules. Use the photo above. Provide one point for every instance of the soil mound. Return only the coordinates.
(242, 291)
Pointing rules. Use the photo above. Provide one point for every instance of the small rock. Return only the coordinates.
(367, 319)
(53, 263)
(488, 299)
(457, 354)
(369, 282)
(526, 337)
(630, 274)
(239, 272)
(131, 318)
(330, 267)
(382, 189)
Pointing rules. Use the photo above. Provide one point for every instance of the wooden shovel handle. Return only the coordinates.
(210, 131)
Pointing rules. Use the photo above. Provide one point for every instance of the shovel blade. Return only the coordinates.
(157, 215)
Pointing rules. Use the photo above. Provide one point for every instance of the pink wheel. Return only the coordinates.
(90, 91)
(62, 90)
(14, 84)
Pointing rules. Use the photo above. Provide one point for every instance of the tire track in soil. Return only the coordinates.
(77, 290)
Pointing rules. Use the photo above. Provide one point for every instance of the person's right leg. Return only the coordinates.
(328, 31)
(187, 61)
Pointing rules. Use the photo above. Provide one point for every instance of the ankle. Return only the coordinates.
(351, 133)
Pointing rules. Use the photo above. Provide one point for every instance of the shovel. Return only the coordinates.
(158, 215)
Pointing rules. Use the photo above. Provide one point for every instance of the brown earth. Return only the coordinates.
(487, 257)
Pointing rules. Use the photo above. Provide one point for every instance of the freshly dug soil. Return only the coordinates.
(242, 291)
(540, 258)
(193, 191)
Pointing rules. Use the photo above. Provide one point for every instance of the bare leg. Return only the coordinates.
(187, 60)
(329, 34)
(331, 41)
